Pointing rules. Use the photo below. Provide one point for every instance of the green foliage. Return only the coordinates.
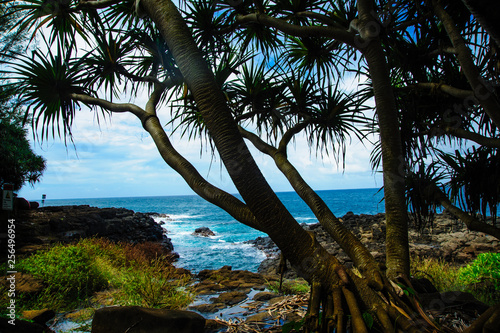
(133, 275)
(19, 163)
(483, 276)
(68, 272)
(442, 274)
(154, 286)
(292, 326)
(290, 287)
(368, 318)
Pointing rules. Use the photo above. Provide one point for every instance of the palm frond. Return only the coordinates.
(45, 84)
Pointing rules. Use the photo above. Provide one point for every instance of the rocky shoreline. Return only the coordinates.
(226, 293)
(448, 239)
(61, 224)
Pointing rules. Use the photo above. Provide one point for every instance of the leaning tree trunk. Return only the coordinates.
(483, 90)
(393, 163)
(275, 219)
(486, 12)
(306, 255)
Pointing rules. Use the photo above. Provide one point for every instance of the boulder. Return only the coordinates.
(135, 319)
(22, 326)
(230, 298)
(439, 303)
(203, 232)
(208, 307)
(264, 296)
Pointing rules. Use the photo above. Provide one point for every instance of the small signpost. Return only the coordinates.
(8, 197)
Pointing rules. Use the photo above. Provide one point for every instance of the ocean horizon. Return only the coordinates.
(188, 212)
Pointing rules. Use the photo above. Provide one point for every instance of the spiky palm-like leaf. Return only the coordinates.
(106, 62)
(474, 179)
(207, 24)
(58, 15)
(317, 53)
(336, 117)
(260, 99)
(422, 207)
(46, 84)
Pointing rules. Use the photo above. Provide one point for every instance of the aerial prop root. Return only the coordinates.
(332, 308)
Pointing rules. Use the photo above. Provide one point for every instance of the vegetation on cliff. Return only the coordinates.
(72, 275)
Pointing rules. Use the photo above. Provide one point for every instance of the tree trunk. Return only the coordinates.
(483, 90)
(311, 260)
(486, 12)
(397, 250)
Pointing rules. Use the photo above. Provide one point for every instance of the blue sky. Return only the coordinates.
(115, 157)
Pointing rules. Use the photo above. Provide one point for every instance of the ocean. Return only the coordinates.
(227, 247)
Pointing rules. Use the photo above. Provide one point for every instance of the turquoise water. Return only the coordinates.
(186, 213)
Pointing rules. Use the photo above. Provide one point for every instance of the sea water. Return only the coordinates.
(227, 247)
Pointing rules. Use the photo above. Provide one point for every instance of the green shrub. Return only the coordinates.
(67, 271)
(155, 285)
(442, 274)
(134, 274)
(482, 277)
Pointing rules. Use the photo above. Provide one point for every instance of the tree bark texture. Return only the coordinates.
(310, 260)
(393, 164)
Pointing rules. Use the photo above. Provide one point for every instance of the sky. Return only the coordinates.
(116, 157)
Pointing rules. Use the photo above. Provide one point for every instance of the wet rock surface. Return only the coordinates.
(226, 287)
(203, 232)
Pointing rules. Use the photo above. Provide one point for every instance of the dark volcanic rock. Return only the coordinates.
(203, 232)
(67, 223)
(138, 319)
(448, 239)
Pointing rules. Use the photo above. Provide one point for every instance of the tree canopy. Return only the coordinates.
(19, 164)
(261, 73)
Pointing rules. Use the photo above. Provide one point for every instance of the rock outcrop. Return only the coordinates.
(203, 232)
(119, 319)
(67, 223)
(447, 239)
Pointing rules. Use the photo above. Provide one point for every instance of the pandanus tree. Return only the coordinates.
(446, 81)
(267, 72)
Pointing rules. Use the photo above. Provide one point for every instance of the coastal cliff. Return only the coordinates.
(36, 228)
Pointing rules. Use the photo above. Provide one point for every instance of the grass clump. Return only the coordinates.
(290, 287)
(140, 274)
(442, 274)
(481, 277)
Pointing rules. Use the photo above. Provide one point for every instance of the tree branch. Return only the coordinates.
(97, 4)
(482, 90)
(452, 91)
(301, 31)
(472, 223)
(361, 257)
(198, 184)
(110, 106)
(463, 134)
(289, 134)
(320, 17)
(442, 50)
